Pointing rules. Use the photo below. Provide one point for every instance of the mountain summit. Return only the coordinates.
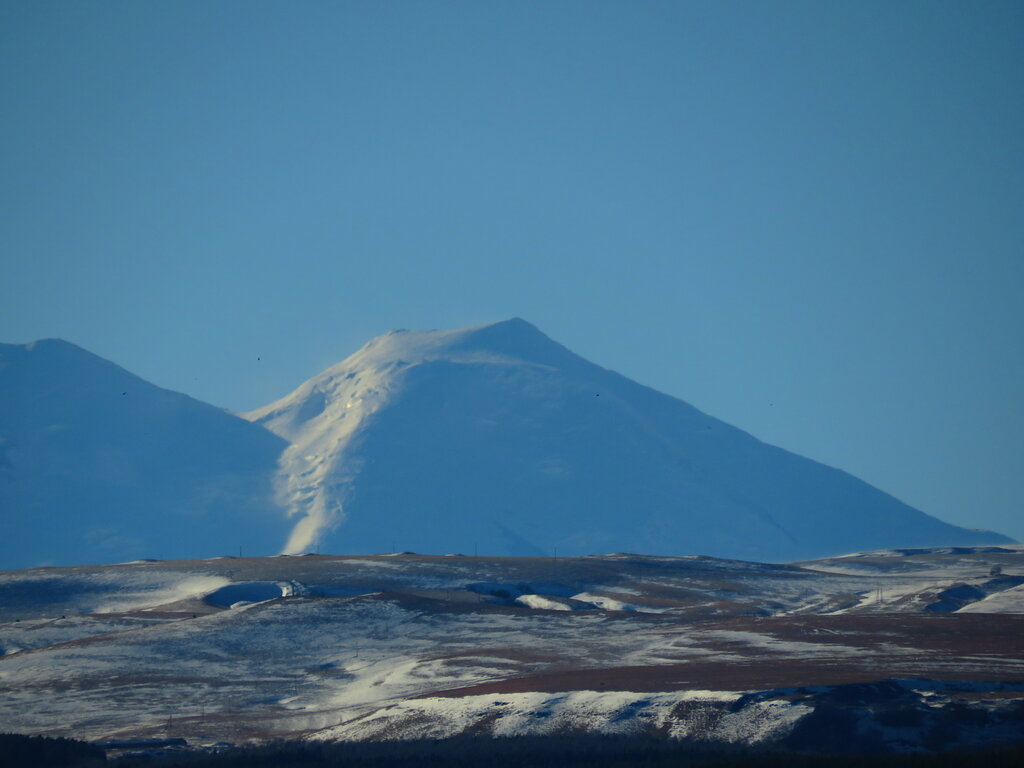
(99, 466)
(499, 440)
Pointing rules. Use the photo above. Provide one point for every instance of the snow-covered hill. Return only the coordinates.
(498, 440)
(864, 648)
(97, 465)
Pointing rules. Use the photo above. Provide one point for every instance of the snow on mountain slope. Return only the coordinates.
(97, 465)
(497, 439)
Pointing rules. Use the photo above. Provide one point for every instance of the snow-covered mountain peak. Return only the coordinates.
(361, 382)
(324, 415)
(497, 436)
(47, 344)
(493, 439)
(50, 353)
(511, 340)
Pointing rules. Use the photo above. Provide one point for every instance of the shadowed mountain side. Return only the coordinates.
(500, 439)
(97, 465)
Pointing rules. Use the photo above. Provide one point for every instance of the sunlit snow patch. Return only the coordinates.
(605, 603)
(710, 715)
(547, 603)
(249, 592)
(127, 600)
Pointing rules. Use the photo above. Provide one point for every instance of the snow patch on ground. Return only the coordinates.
(111, 589)
(191, 586)
(543, 603)
(41, 633)
(684, 714)
(769, 643)
(1007, 601)
(607, 603)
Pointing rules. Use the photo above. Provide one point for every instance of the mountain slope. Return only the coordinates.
(499, 440)
(97, 465)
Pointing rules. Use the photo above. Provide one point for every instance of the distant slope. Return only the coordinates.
(97, 465)
(499, 440)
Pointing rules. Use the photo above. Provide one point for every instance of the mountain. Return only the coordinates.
(97, 465)
(498, 440)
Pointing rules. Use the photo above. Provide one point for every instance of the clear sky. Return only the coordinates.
(805, 218)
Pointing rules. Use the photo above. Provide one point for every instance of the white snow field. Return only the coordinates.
(499, 440)
(411, 646)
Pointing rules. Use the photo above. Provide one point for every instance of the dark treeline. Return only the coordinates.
(17, 751)
(476, 752)
(556, 752)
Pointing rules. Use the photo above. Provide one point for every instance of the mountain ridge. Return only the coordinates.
(493, 438)
(99, 465)
(458, 423)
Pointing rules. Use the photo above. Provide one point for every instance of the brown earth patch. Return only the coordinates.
(968, 634)
(939, 647)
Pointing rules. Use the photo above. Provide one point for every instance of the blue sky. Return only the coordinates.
(805, 218)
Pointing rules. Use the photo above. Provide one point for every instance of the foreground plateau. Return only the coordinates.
(891, 650)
